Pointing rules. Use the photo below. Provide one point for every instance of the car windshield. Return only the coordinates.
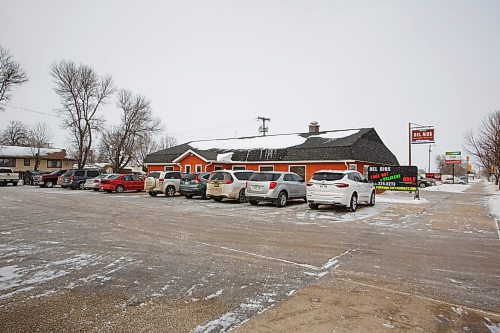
(264, 177)
(329, 176)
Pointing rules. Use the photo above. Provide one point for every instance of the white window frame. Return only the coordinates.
(169, 168)
(266, 166)
(186, 168)
(352, 166)
(218, 167)
(299, 165)
(198, 168)
(239, 166)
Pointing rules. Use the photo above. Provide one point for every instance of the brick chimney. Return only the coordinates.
(314, 127)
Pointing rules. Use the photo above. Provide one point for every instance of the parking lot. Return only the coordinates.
(99, 262)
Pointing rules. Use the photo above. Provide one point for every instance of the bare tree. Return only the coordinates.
(38, 138)
(122, 144)
(16, 134)
(11, 75)
(485, 146)
(147, 145)
(167, 142)
(82, 94)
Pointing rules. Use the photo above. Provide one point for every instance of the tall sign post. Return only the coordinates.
(453, 157)
(418, 134)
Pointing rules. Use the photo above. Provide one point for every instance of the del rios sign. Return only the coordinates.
(422, 135)
(393, 178)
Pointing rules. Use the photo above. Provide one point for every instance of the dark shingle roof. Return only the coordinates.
(363, 145)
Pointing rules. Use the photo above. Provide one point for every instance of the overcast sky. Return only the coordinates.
(211, 67)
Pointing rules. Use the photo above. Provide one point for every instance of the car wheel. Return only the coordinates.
(170, 191)
(81, 186)
(109, 191)
(119, 188)
(188, 196)
(372, 199)
(253, 202)
(354, 203)
(204, 194)
(96, 189)
(282, 199)
(422, 185)
(49, 184)
(153, 194)
(242, 197)
(313, 206)
(218, 199)
(14, 183)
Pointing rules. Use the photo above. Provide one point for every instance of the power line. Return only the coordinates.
(29, 110)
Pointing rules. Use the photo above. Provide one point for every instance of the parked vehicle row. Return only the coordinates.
(327, 187)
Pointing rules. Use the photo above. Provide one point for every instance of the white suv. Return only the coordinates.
(165, 182)
(228, 184)
(339, 187)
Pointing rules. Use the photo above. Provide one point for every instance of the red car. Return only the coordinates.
(121, 183)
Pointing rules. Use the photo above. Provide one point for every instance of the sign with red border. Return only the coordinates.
(422, 135)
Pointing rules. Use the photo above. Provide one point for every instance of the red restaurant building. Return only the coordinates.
(302, 153)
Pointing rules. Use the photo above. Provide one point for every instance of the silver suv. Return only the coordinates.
(163, 182)
(277, 187)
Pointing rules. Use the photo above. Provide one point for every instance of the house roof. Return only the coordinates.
(15, 151)
(353, 144)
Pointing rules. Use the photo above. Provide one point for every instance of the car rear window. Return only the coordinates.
(188, 177)
(265, 177)
(243, 175)
(79, 173)
(154, 175)
(5, 170)
(92, 173)
(329, 176)
(220, 176)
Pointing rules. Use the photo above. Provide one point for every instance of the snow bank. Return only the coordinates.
(451, 188)
(225, 158)
(493, 200)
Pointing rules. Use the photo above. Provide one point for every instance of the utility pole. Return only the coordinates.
(263, 129)
(429, 166)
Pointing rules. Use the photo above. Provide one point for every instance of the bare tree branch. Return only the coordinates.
(11, 75)
(167, 142)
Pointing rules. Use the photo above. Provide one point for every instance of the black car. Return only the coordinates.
(425, 182)
(75, 178)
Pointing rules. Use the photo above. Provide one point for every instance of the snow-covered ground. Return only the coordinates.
(394, 199)
(493, 204)
(452, 188)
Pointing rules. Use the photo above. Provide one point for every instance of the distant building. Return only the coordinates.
(302, 153)
(22, 159)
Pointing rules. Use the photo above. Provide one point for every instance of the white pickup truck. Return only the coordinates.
(8, 176)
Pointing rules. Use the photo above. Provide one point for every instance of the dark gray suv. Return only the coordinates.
(75, 178)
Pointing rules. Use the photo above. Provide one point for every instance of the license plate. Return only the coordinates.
(216, 185)
(323, 186)
(256, 187)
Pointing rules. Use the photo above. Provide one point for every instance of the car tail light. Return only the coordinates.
(342, 185)
(197, 179)
(71, 178)
(161, 180)
(96, 180)
(310, 184)
(272, 185)
(229, 181)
